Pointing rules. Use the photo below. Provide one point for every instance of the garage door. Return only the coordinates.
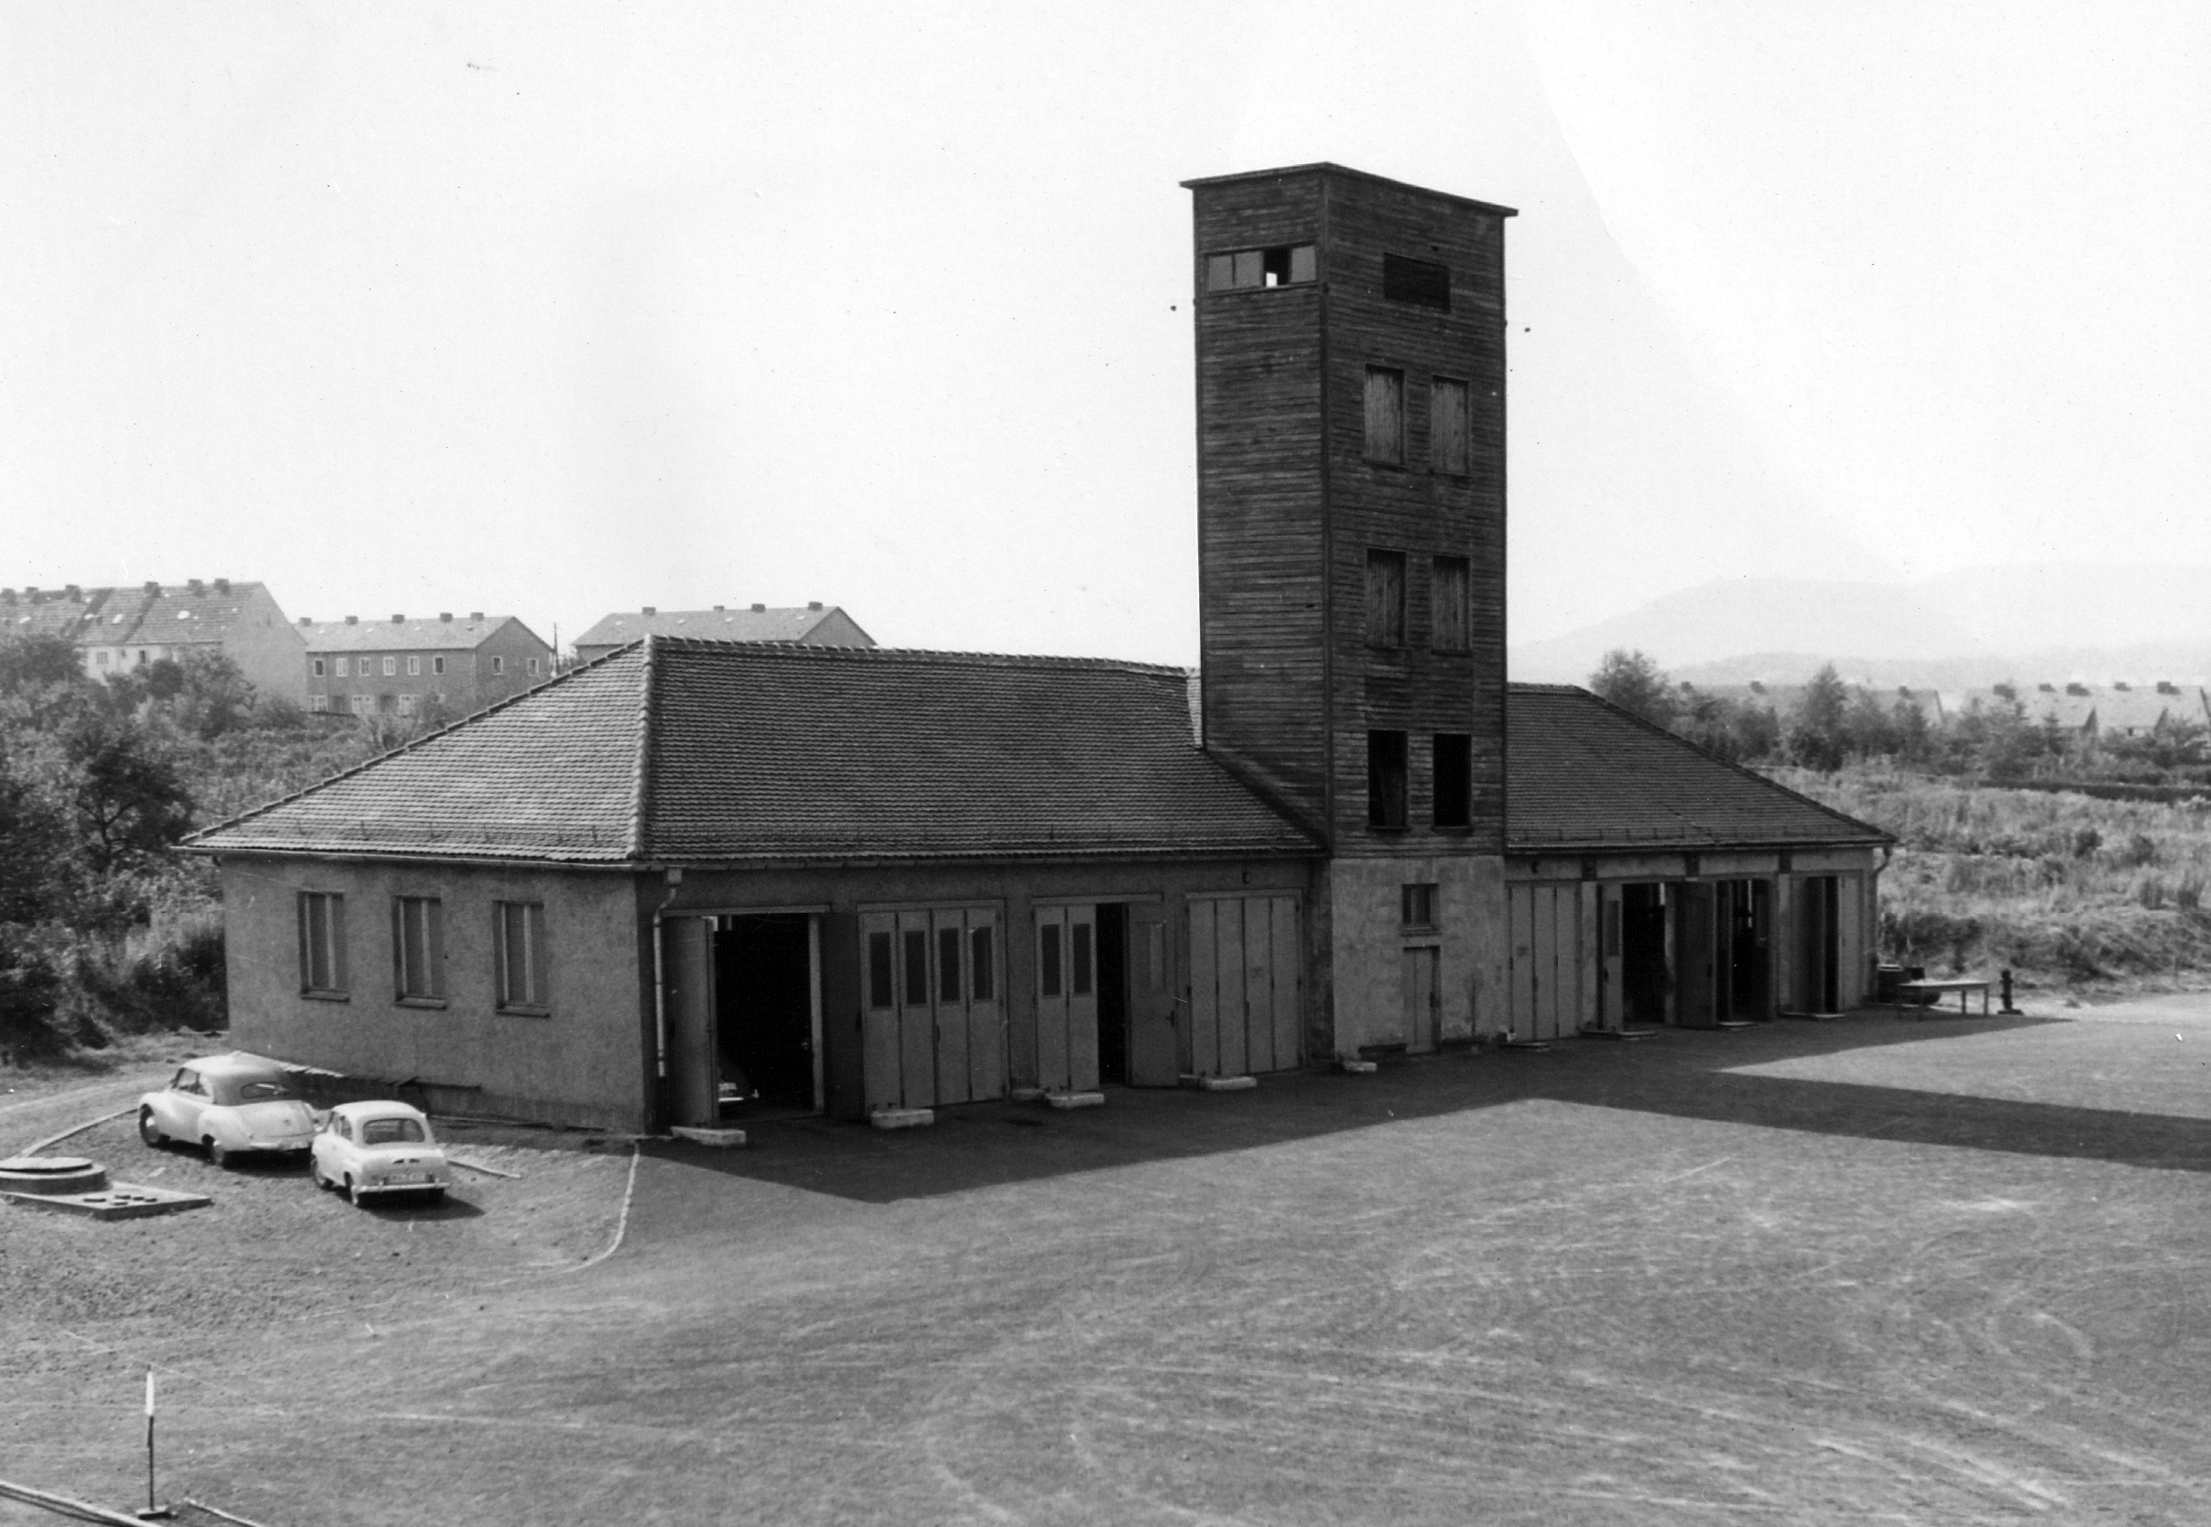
(935, 1030)
(1246, 985)
(1546, 978)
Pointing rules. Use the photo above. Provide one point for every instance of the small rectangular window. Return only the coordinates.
(414, 666)
(882, 988)
(1252, 269)
(1420, 282)
(1420, 905)
(318, 702)
(1385, 410)
(1047, 960)
(1450, 583)
(981, 981)
(407, 704)
(498, 665)
(1386, 780)
(99, 660)
(319, 664)
(437, 665)
(1454, 779)
(418, 948)
(948, 964)
(917, 968)
(364, 705)
(518, 930)
(1449, 427)
(322, 956)
(1385, 598)
(1079, 939)
(391, 666)
(341, 668)
(533, 667)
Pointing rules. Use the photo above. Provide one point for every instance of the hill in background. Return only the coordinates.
(1962, 629)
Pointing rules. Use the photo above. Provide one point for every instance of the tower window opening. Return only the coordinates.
(1454, 779)
(1449, 585)
(1385, 411)
(1253, 269)
(1422, 283)
(1386, 781)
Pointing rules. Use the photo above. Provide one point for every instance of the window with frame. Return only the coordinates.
(1254, 269)
(1423, 283)
(1450, 427)
(322, 960)
(533, 667)
(414, 667)
(1419, 905)
(318, 702)
(320, 664)
(518, 932)
(407, 704)
(342, 668)
(418, 948)
(1450, 586)
(437, 665)
(391, 667)
(498, 665)
(1385, 598)
(1386, 780)
(1454, 780)
(1385, 416)
(364, 705)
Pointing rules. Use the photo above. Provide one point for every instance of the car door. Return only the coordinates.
(187, 1098)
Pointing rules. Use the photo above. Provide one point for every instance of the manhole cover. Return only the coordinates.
(51, 1174)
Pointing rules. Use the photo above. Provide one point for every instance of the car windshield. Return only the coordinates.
(249, 1088)
(391, 1131)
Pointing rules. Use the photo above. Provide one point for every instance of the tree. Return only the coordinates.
(1819, 731)
(1635, 682)
(130, 806)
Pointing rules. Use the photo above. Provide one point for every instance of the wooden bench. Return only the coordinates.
(1940, 989)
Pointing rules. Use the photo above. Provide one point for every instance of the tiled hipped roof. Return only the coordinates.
(175, 615)
(442, 635)
(1583, 773)
(694, 751)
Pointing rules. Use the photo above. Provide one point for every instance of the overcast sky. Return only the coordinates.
(555, 309)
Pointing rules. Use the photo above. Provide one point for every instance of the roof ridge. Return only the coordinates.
(641, 780)
(408, 746)
(814, 653)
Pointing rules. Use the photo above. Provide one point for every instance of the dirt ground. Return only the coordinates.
(1948, 1271)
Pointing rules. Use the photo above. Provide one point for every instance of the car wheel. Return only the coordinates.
(216, 1153)
(148, 1130)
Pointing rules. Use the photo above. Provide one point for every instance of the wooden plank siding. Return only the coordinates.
(1290, 504)
(1260, 550)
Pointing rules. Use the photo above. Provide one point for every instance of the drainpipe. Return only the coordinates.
(660, 991)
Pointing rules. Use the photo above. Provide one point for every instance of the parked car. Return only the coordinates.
(232, 1104)
(376, 1148)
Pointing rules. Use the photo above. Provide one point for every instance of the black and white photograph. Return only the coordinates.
(1246, 766)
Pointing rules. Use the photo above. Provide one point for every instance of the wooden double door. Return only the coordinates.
(1247, 994)
(934, 1029)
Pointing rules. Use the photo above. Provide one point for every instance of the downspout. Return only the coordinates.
(660, 990)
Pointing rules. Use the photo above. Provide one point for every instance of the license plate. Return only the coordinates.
(399, 1177)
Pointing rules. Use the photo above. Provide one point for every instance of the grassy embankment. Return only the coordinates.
(2100, 897)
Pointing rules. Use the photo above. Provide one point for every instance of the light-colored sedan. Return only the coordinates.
(234, 1105)
(369, 1149)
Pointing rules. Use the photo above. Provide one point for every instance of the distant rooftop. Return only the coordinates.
(815, 625)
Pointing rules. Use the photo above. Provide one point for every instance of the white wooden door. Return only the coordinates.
(1246, 985)
(1067, 998)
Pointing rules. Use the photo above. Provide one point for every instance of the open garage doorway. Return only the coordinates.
(765, 1037)
(1643, 979)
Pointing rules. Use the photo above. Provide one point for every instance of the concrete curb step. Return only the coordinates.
(719, 1139)
(1351, 1067)
(1065, 1100)
(902, 1118)
(1221, 1083)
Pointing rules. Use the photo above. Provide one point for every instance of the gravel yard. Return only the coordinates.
(1945, 1272)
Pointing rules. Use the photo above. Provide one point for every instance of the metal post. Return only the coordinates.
(150, 1506)
(2008, 1010)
